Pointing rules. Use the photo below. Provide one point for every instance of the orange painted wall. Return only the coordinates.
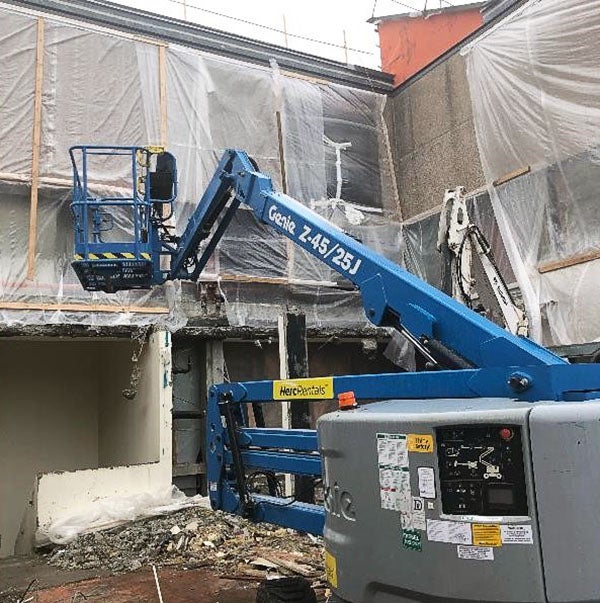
(410, 43)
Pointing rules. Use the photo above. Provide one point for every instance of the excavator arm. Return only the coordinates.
(464, 241)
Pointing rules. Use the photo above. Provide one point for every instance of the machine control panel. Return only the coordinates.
(481, 470)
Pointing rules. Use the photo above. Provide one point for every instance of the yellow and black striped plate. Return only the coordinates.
(112, 256)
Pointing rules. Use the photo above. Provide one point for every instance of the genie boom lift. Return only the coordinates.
(474, 480)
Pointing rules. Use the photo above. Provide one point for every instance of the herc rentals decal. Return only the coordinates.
(303, 389)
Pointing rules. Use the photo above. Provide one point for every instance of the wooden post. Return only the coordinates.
(345, 46)
(280, 150)
(293, 359)
(215, 373)
(215, 363)
(289, 246)
(286, 419)
(36, 148)
(162, 97)
(285, 35)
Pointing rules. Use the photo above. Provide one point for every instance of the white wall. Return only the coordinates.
(141, 428)
(63, 494)
(129, 429)
(62, 415)
(48, 420)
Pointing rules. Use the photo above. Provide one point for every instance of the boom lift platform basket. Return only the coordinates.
(103, 260)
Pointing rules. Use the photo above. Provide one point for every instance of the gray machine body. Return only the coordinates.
(519, 522)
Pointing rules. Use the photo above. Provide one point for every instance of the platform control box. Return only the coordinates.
(453, 500)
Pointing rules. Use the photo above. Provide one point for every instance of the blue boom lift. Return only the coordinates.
(468, 419)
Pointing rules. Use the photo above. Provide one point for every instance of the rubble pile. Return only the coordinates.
(197, 537)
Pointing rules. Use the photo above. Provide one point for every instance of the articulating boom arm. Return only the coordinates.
(496, 363)
(448, 333)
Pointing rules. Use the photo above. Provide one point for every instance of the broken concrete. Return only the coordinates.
(196, 537)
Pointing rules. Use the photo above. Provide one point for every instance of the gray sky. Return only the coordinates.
(322, 20)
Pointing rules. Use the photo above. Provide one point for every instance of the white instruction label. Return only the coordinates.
(394, 479)
(405, 494)
(418, 513)
(389, 499)
(391, 449)
(414, 518)
(451, 532)
(405, 500)
(389, 487)
(477, 553)
(426, 482)
(406, 521)
(516, 534)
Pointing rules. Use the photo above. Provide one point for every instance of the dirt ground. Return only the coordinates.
(54, 585)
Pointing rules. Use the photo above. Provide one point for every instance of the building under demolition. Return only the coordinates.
(373, 160)
(69, 434)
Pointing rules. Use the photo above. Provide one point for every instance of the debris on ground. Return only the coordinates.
(117, 510)
(197, 537)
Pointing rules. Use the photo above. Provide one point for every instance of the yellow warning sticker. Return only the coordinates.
(419, 443)
(303, 389)
(486, 534)
(331, 569)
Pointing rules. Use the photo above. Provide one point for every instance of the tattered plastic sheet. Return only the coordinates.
(116, 510)
(535, 88)
(104, 88)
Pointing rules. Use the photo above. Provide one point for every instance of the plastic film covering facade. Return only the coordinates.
(96, 87)
(535, 89)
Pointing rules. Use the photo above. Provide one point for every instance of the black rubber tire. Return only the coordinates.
(286, 590)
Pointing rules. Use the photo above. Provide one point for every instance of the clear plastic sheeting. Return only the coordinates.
(326, 306)
(17, 49)
(303, 128)
(535, 89)
(98, 87)
(116, 510)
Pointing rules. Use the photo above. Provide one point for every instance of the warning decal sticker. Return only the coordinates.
(476, 553)
(426, 482)
(451, 532)
(420, 443)
(418, 513)
(516, 534)
(487, 534)
(331, 569)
